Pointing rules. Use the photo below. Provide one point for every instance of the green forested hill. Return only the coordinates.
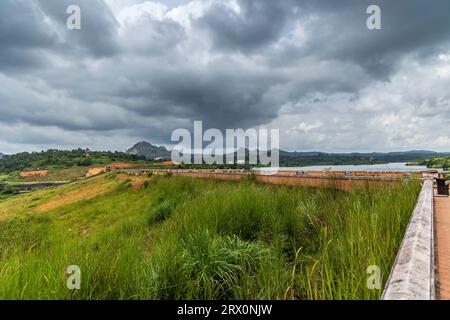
(439, 162)
(52, 159)
(321, 158)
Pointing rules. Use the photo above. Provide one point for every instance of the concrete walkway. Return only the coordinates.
(442, 238)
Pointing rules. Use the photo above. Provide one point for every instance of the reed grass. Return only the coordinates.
(184, 238)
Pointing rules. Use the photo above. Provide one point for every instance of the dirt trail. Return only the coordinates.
(40, 173)
(85, 191)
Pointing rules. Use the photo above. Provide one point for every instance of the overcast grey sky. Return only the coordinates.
(137, 70)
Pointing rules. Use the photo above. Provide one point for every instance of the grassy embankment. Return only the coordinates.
(8, 181)
(194, 238)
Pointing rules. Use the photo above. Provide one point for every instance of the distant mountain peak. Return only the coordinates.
(143, 144)
(150, 151)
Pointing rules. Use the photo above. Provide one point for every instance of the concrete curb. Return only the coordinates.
(412, 276)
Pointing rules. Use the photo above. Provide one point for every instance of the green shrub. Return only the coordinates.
(124, 185)
(85, 162)
(161, 212)
(208, 266)
(168, 174)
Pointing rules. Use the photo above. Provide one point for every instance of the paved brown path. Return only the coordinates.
(442, 230)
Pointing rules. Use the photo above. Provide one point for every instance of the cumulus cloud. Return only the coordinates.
(139, 69)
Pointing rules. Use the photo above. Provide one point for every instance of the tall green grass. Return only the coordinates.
(183, 238)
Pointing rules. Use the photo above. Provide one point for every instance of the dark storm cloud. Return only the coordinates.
(22, 26)
(31, 30)
(335, 29)
(98, 32)
(138, 73)
(340, 33)
(258, 23)
(23, 34)
(221, 99)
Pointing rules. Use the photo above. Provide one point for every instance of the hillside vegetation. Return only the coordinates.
(321, 158)
(438, 162)
(185, 238)
(57, 159)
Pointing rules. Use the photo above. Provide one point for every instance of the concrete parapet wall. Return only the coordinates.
(220, 176)
(344, 183)
(341, 182)
(412, 276)
(320, 181)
